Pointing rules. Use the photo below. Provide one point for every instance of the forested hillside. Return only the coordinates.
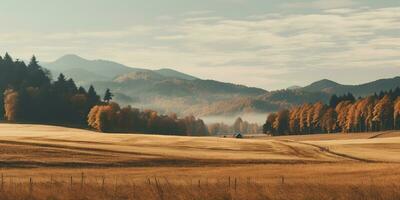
(167, 90)
(365, 89)
(29, 95)
(342, 114)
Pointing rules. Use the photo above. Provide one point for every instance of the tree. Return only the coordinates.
(281, 124)
(11, 101)
(383, 113)
(37, 76)
(93, 98)
(304, 128)
(328, 121)
(268, 126)
(333, 101)
(237, 126)
(294, 123)
(108, 96)
(319, 111)
(350, 119)
(396, 115)
(342, 110)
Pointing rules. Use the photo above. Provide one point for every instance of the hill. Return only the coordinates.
(331, 87)
(265, 103)
(167, 90)
(86, 71)
(155, 89)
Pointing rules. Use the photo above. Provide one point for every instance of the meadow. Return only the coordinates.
(48, 162)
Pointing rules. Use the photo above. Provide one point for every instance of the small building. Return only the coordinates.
(238, 135)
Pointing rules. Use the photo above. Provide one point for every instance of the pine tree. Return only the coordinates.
(333, 101)
(108, 96)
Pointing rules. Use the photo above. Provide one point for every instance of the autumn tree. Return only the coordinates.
(383, 113)
(294, 120)
(281, 123)
(328, 121)
(319, 110)
(342, 110)
(372, 113)
(11, 101)
(268, 126)
(238, 125)
(304, 116)
(396, 115)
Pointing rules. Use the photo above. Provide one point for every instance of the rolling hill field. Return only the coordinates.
(66, 163)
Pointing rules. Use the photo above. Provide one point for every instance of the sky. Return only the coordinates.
(271, 44)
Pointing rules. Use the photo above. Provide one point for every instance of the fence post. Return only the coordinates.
(283, 179)
(2, 181)
(102, 184)
(82, 177)
(30, 186)
(71, 183)
(148, 181)
(235, 184)
(229, 184)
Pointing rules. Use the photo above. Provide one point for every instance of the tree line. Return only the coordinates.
(344, 113)
(29, 95)
(239, 126)
(112, 118)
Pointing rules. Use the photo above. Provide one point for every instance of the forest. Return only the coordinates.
(378, 112)
(29, 95)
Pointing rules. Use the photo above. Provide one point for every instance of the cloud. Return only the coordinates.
(259, 50)
(322, 4)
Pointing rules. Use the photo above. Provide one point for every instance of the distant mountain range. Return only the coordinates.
(168, 90)
(165, 90)
(365, 89)
(87, 71)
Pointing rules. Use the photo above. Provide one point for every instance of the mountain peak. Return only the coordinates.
(325, 83)
(321, 85)
(70, 58)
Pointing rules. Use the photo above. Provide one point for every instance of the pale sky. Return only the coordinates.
(270, 44)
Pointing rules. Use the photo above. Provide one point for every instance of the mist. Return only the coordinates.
(258, 118)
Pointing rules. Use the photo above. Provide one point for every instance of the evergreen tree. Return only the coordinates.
(333, 101)
(108, 96)
(93, 98)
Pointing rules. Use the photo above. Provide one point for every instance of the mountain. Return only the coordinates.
(167, 90)
(267, 102)
(86, 71)
(165, 94)
(321, 86)
(331, 87)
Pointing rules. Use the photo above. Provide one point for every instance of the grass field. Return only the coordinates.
(48, 162)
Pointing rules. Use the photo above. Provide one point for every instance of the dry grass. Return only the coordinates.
(274, 181)
(161, 167)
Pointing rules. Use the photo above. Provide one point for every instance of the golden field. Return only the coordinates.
(49, 162)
